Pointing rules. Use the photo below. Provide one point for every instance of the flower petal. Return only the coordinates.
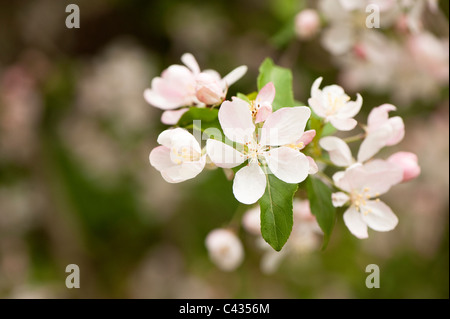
(313, 168)
(374, 142)
(249, 184)
(234, 75)
(307, 137)
(378, 216)
(339, 199)
(263, 113)
(160, 158)
(184, 171)
(285, 126)
(398, 130)
(172, 117)
(235, 118)
(287, 164)
(379, 115)
(223, 155)
(339, 151)
(266, 94)
(351, 108)
(354, 223)
(343, 124)
(189, 60)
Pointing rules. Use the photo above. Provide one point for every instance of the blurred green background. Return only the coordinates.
(76, 186)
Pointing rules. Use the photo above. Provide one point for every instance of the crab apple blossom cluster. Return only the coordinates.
(271, 144)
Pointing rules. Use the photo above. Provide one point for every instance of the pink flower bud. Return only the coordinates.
(209, 90)
(307, 23)
(408, 162)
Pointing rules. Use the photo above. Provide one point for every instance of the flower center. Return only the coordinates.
(254, 150)
(184, 154)
(359, 199)
(336, 102)
(254, 107)
(296, 147)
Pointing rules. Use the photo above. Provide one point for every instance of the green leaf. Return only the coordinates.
(242, 96)
(276, 211)
(208, 119)
(319, 196)
(282, 80)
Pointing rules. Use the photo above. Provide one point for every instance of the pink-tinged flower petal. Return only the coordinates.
(315, 91)
(263, 113)
(339, 199)
(354, 223)
(180, 138)
(160, 158)
(345, 180)
(287, 164)
(379, 115)
(266, 94)
(234, 75)
(307, 137)
(223, 155)
(343, 124)
(210, 94)
(375, 178)
(408, 162)
(249, 184)
(189, 60)
(339, 151)
(316, 105)
(373, 143)
(235, 118)
(285, 126)
(378, 216)
(175, 88)
(312, 166)
(351, 108)
(172, 117)
(184, 171)
(398, 130)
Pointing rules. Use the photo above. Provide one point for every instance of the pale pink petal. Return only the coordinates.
(165, 138)
(378, 216)
(398, 130)
(263, 113)
(249, 184)
(343, 124)
(235, 118)
(285, 126)
(350, 109)
(339, 199)
(354, 223)
(160, 158)
(252, 221)
(338, 150)
(315, 91)
(182, 138)
(307, 137)
(172, 117)
(287, 164)
(234, 75)
(313, 169)
(184, 171)
(374, 142)
(379, 115)
(189, 60)
(316, 105)
(379, 176)
(158, 100)
(266, 94)
(408, 162)
(223, 155)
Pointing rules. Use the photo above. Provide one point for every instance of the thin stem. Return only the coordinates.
(354, 138)
(323, 175)
(325, 161)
